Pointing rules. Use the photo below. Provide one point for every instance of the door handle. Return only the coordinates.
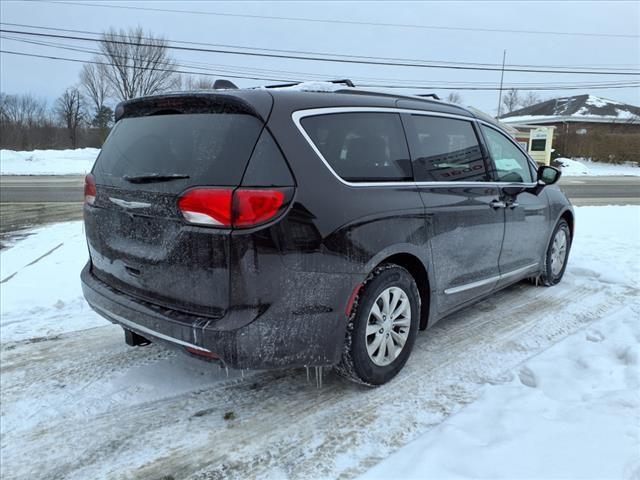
(513, 204)
(495, 204)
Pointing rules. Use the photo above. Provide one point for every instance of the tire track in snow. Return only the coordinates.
(282, 424)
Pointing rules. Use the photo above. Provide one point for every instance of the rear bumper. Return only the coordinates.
(270, 336)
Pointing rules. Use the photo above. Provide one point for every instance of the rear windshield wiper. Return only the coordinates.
(154, 177)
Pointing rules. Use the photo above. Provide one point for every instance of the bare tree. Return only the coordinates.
(511, 100)
(22, 110)
(95, 85)
(69, 108)
(454, 97)
(138, 64)
(531, 98)
(24, 122)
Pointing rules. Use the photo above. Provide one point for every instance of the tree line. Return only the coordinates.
(129, 64)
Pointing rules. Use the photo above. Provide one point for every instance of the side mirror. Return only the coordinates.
(548, 175)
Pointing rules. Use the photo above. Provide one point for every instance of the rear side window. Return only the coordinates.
(267, 167)
(362, 147)
(211, 149)
(446, 150)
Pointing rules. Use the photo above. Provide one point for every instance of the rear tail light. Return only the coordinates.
(90, 191)
(253, 207)
(226, 207)
(207, 206)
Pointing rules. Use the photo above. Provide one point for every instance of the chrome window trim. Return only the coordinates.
(128, 204)
(298, 115)
(486, 281)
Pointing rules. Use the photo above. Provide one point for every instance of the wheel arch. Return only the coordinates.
(419, 273)
(569, 217)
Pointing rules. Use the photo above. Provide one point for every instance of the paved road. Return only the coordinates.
(41, 189)
(34, 200)
(602, 190)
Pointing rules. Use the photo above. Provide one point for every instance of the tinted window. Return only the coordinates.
(362, 147)
(446, 150)
(511, 164)
(212, 149)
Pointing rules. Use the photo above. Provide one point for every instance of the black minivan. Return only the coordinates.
(282, 227)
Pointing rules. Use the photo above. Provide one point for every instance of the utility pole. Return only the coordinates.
(504, 57)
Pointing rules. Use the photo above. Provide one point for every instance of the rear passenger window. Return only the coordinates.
(362, 147)
(446, 150)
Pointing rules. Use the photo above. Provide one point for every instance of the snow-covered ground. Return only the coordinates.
(40, 275)
(579, 167)
(48, 162)
(532, 382)
(573, 411)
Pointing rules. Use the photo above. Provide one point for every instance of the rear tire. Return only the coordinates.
(556, 256)
(382, 328)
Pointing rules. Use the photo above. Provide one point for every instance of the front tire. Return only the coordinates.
(556, 255)
(382, 327)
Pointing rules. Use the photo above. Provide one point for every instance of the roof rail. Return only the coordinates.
(222, 84)
(344, 81)
(378, 93)
(428, 95)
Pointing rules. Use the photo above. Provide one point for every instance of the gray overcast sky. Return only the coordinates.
(48, 78)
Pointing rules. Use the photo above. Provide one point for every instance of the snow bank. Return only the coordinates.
(571, 412)
(572, 167)
(48, 162)
(606, 169)
(577, 167)
(40, 293)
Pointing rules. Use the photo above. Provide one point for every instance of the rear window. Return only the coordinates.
(362, 147)
(211, 149)
(446, 150)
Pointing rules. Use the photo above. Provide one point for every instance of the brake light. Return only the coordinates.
(90, 191)
(224, 207)
(207, 206)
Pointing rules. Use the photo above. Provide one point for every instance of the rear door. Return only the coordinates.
(466, 226)
(526, 227)
(138, 240)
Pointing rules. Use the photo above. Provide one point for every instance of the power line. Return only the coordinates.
(396, 59)
(318, 58)
(409, 87)
(348, 22)
(222, 70)
(76, 60)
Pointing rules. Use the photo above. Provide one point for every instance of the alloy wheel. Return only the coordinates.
(558, 252)
(388, 326)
